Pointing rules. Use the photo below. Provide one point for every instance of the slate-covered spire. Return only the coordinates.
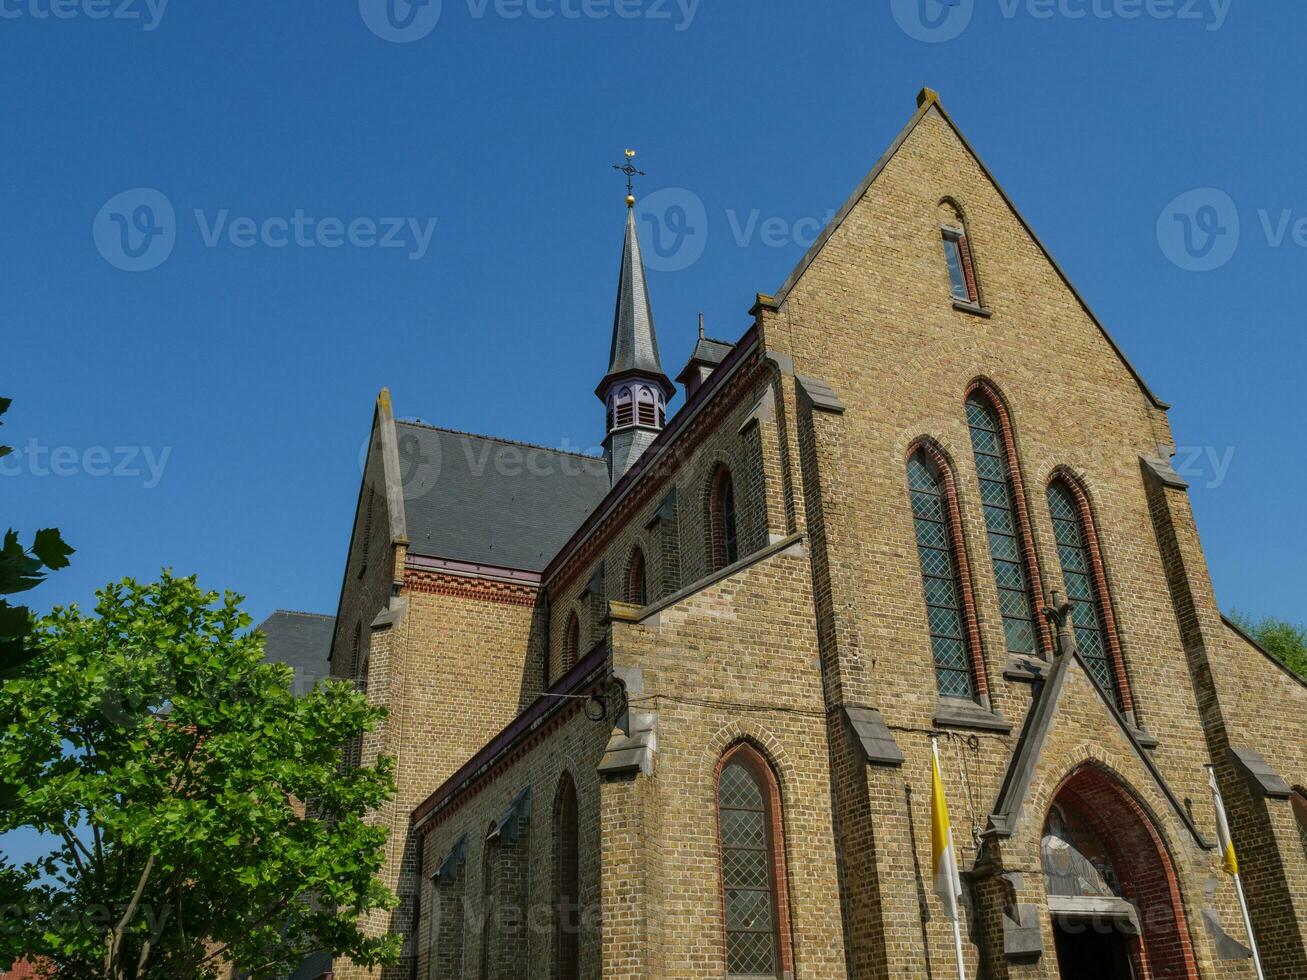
(635, 390)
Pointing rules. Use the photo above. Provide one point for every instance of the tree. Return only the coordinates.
(20, 570)
(1283, 640)
(199, 809)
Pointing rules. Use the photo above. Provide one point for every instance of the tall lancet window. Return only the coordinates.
(752, 865)
(939, 548)
(1005, 525)
(1086, 587)
(957, 254)
(722, 520)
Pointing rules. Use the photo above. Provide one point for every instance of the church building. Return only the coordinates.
(676, 711)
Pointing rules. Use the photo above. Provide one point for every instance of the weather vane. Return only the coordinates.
(631, 173)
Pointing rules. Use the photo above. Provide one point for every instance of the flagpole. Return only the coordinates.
(1223, 828)
(957, 880)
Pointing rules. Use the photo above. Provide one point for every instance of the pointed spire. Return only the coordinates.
(635, 342)
(635, 391)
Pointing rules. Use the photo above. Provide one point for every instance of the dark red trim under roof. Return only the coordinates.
(655, 452)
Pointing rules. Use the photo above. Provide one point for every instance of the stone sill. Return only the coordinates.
(956, 713)
(964, 307)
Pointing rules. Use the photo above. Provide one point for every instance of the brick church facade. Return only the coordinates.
(669, 713)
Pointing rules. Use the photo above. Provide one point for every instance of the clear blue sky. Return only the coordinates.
(255, 368)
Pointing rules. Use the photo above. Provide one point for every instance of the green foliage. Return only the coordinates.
(1283, 640)
(199, 809)
(20, 570)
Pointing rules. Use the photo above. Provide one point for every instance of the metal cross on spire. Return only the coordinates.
(631, 173)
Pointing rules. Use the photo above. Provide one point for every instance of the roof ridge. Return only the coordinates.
(300, 612)
(501, 439)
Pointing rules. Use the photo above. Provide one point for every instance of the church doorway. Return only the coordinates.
(1112, 890)
(1086, 951)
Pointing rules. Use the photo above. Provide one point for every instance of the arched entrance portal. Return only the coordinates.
(1111, 886)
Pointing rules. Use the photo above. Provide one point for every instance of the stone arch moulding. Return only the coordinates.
(1140, 858)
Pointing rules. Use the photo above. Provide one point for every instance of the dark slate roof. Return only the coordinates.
(706, 351)
(635, 345)
(302, 640)
(490, 501)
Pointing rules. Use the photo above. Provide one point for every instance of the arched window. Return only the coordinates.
(1300, 811)
(752, 866)
(571, 642)
(1008, 529)
(957, 254)
(954, 639)
(1086, 588)
(721, 518)
(623, 410)
(567, 881)
(635, 579)
(646, 407)
(489, 865)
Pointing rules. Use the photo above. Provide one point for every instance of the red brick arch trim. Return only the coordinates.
(967, 593)
(1144, 865)
(1064, 476)
(752, 755)
(636, 588)
(998, 403)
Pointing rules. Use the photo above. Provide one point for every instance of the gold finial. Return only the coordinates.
(629, 169)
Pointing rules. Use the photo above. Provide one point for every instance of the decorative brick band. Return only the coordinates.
(1104, 597)
(971, 621)
(468, 587)
(991, 394)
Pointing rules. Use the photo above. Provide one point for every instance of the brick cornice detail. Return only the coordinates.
(469, 587)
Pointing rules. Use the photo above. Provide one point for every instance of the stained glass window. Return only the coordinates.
(1077, 575)
(567, 875)
(1005, 550)
(747, 874)
(939, 576)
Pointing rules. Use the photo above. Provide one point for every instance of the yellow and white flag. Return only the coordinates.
(944, 858)
(1230, 862)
